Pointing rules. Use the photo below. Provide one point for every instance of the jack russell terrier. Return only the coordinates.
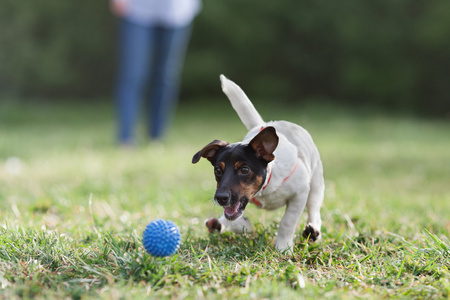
(276, 164)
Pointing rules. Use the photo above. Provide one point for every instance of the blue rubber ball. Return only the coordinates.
(161, 238)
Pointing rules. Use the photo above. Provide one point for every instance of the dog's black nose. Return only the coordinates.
(222, 198)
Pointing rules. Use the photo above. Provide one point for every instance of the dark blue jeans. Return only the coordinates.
(150, 61)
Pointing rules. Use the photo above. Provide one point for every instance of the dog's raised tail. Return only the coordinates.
(241, 104)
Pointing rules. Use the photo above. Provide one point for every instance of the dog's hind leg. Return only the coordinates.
(315, 199)
(222, 224)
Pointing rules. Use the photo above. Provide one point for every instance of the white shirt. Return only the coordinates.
(173, 13)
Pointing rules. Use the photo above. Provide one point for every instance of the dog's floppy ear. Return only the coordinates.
(209, 151)
(265, 143)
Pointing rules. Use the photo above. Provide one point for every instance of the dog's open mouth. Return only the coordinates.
(233, 212)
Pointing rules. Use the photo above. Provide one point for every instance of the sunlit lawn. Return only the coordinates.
(73, 206)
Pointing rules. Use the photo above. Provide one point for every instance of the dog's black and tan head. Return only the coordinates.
(240, 170)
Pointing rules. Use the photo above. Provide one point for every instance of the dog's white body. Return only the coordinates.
(294, 178)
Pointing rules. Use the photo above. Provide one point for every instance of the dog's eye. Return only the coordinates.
(245, 170)
(217, 171)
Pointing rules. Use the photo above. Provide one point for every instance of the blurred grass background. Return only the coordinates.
(389, 171)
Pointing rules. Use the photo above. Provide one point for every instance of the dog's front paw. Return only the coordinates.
(213, 225)
(283, 245)
(311, 234)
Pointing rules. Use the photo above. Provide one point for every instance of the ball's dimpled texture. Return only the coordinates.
(161, 238)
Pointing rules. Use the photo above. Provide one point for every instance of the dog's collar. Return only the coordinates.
(268, 181)
(292, 171)
(269, 169)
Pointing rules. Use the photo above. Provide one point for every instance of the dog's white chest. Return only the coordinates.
(272, 195)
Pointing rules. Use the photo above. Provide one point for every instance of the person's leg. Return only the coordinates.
(171, 48)
(134, 52)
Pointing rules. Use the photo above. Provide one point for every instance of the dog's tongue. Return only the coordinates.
(231, 211)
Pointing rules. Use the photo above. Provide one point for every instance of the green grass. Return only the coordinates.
(73, 206)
